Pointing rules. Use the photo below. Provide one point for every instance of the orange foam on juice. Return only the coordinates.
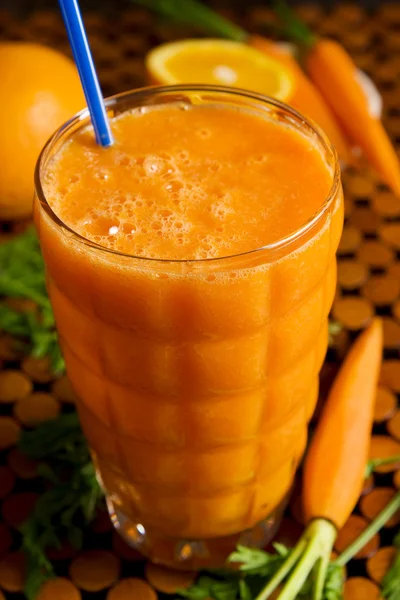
(196, 378)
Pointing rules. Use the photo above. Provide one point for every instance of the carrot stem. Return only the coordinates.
(314, 545)
(390, 509)
(196, 14)
(378, 462)
(322, 537)
(322, 570)
(284, 569)
(293, 27)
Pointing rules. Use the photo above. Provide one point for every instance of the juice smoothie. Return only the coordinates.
(191, 268)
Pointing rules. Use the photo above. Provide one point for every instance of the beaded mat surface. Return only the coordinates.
(368, 284)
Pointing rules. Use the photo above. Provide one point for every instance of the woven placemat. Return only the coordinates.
(368, 284)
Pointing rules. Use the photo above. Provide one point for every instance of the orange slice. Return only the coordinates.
(219, 62)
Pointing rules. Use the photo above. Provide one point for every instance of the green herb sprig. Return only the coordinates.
(254, 579)
(256, 568)
(68, 505)
(22, 275)
(391, 581)
(292, 27)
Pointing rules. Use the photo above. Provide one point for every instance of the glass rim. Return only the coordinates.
(84, 117)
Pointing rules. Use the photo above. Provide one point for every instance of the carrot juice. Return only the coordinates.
(191, 268)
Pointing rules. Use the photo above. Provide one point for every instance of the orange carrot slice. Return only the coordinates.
(167, 580)
(360, 588)
(12, 572)
(36, 408)
(59, 588)
(379, 564)
(127, 589)
(372, 504)
(95, 570)
(14, 385)
(9, 432)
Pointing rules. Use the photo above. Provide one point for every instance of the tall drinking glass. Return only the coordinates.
(196, 378)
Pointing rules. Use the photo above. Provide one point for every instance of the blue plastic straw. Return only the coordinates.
(87, 72)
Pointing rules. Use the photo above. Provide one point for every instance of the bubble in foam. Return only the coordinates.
(174, 186)
(164, 214)
(154, 165)
(139, 160)
(49, 177)
(102, 175)
(170, 172)
(220, 210)
(99, 224)
(131, 228)
(124, 161)
(258, 159)
(204, 133)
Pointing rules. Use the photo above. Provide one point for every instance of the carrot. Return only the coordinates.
(334, 73)
(334, 466)
(306, 97)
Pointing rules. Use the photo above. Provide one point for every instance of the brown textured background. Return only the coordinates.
(368, 275)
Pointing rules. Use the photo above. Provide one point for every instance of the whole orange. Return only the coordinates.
(39, 90)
